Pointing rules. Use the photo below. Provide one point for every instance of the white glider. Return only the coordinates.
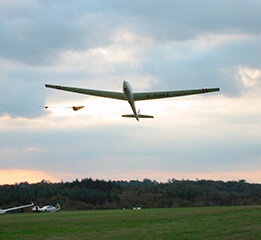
(2, 211)
(131, 97)
(47, 208)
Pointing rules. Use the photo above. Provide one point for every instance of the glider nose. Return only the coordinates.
(125, 88)
(125, 83)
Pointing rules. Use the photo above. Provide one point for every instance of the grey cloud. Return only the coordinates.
(33, 36)
(105, 150)
(22, 93)
(188, 19)
(36, 36)
(189, 66)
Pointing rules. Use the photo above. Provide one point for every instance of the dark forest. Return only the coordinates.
(99, 194)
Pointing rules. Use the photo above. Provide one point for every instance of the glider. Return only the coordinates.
(131, 97)
(47, 208)
(2, 211)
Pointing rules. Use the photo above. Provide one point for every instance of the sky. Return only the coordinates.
(154, 45)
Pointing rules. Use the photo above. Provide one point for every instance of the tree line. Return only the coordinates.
(100, 194)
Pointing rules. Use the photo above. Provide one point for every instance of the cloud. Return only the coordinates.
(153, 45)
(250, 78)
(38, 35)
(29, 149)
(97, 45)
(200, 133)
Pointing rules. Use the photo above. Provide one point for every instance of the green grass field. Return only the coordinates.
(175, 223)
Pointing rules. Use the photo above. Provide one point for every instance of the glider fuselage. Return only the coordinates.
(2, 211)
(129, 95)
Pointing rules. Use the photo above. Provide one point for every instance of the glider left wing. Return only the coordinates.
(168, 94)
(24, 206)
(2, 211)
(99, 93)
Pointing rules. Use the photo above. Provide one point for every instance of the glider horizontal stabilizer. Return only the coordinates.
(140, 116)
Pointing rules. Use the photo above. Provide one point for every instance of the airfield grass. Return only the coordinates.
(171, 223)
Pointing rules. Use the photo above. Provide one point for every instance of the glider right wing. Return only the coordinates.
(99, 93)
(168, 94)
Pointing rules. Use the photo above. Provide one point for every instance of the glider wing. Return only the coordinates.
(19, 207)
(99, 93)
(168, 94)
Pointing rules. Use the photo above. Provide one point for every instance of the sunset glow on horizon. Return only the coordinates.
(12, 176)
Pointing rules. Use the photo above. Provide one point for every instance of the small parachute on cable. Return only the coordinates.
(75, 108)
